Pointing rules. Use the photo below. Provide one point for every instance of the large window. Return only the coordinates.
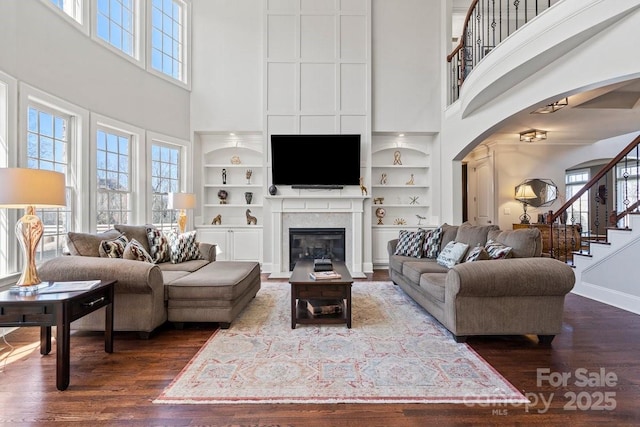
(579, 210)
(113, 201)
(116, 24)
(73, 8)
(47, 148)
(165, 179)
(168, 54)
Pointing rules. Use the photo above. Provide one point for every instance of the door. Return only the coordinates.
(483, 195)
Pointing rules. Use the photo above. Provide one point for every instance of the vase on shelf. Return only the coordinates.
(248, 196)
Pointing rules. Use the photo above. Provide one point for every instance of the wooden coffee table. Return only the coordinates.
(303, 287)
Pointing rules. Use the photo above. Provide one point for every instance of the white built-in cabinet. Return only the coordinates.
(233, 163)
(400, 186)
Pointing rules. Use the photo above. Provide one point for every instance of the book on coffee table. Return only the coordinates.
(325, 275)
(319, 307)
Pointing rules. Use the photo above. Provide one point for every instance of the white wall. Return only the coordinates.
(227, 65)
(42, 49)
(407, 59)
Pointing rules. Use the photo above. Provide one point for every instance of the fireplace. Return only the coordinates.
(314, 243)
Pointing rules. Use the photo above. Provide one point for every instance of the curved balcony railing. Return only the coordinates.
(488, 22)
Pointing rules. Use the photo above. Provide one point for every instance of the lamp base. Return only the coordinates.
(182, 221)
(29, 230)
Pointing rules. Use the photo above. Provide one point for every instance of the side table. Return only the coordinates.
(58, 309)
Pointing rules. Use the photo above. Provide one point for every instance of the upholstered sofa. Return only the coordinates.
(521, 294)
(147, 293)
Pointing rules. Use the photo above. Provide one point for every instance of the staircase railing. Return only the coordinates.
(488, 22)
(626, 188)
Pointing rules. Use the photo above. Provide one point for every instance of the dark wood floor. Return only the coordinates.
(118, 389)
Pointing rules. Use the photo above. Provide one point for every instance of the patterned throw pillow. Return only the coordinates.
(184, 247)
(113, 248)
(478, 253)
(410, 243)
(158, 245)
(452, 254)
(497, 250)
(431, 245)
(135, 251)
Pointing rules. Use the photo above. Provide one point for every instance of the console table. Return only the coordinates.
(59, 310)
(566, 239)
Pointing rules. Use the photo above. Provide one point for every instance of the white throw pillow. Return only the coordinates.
(452, 254)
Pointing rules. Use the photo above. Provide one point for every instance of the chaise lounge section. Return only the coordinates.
(148, 294)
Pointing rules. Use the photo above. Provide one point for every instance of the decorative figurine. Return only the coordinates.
(273, 190)
(248, 196)
(362, 187)
(217, 220)
(380, 213)
(410, 182)
(224, 176)
(420, 218)
(414, 200)
(250, 218)
(383, 179)
(396, 158)
(222, 195)
(248, 174)
(235, 160)
(399, 221)
(378, 200)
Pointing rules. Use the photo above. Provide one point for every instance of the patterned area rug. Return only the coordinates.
(395, 352)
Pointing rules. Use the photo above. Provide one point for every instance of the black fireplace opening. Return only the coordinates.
(316, 243)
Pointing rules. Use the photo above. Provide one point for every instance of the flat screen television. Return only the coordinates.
(315, 161)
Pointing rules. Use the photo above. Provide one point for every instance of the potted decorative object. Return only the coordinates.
(223, 195)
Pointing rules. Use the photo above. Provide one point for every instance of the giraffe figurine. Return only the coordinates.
(364, 190)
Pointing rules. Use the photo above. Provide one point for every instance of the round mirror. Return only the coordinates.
(545, 192)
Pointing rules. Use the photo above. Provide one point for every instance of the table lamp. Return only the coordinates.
(31, 189)
(524, 193)
(182, 201)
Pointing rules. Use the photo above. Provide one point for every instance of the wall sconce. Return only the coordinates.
(553, 107)
(182, 201)
(524, 194)
(533, 135)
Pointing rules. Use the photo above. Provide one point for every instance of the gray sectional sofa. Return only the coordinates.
(520, 295)
(149, 294)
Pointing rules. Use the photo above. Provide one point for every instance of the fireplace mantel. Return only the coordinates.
(323, 211)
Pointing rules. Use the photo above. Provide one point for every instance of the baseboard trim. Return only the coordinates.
(607, 296)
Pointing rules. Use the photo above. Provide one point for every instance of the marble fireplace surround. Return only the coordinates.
(317, 212)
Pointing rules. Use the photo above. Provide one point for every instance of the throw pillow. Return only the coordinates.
(113, 248)
(452, 254)
(410, 243)
(158, 245)
(478, 253)
(431, 245)
(135, 251)
(184, 247)
(497, 250)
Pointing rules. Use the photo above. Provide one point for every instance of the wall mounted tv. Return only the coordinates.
(315, 161)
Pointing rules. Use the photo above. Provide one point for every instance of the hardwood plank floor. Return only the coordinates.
(118, 389)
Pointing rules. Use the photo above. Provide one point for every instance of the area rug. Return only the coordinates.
(395, 352)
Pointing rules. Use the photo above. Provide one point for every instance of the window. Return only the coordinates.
(579, 210)
(113, 167)
(116, 24)
(168, 37)
(73, 8)
(627, 185)
(165, 178)
(47, 148)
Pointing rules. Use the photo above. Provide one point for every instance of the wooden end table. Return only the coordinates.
(59, 310)
(303, 287)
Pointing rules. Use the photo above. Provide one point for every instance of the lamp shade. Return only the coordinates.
(182, 201)
(525, 192)
(39, 188)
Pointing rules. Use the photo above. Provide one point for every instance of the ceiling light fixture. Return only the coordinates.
(553, 107)
(533, 135)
